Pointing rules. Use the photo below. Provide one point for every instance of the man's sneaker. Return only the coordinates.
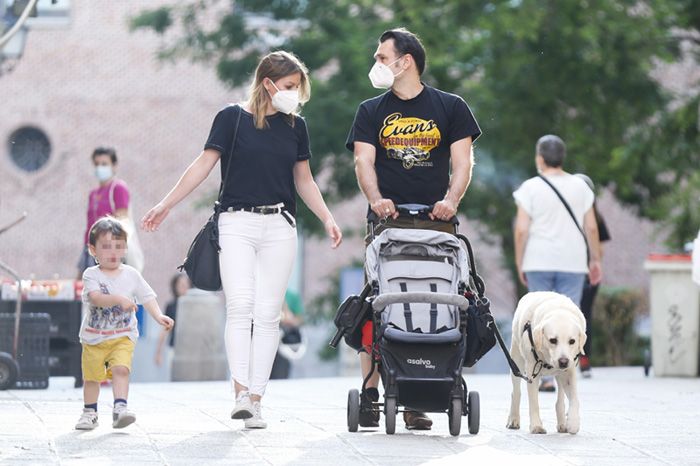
(585, 365)
(243, 408)
(547, 384)
(88, 420)
(122, 417)
(256, 421)
(415, 420)
(369, 417)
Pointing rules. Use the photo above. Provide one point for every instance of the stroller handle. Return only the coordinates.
(383, 300)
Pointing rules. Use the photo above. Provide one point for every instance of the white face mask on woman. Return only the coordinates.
(381, 75)
(285, 101)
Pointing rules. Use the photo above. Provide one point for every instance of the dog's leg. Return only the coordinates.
(560, 408)
(573, 421)
(514, 416)
(533, 394)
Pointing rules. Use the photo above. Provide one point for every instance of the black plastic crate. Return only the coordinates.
(66, 316)
(32, 348)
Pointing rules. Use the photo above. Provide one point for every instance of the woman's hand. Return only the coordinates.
(154, 217)
(333, 231)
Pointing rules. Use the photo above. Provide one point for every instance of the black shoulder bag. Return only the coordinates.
(202, 261)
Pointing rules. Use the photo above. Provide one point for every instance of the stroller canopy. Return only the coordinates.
(426, 243)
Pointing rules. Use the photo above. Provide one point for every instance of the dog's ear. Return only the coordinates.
(582, 337)
(538, 337)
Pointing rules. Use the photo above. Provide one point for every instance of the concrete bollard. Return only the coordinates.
(199, 337)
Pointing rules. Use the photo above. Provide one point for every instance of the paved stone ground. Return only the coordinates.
(627, 419)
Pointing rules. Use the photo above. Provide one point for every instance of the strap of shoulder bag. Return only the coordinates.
(239, 111)
(571, 213)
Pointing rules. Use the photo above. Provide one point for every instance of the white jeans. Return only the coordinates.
(257, 254)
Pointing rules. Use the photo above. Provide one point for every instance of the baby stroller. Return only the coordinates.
(418, 280)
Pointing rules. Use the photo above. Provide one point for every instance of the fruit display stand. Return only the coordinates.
(57, 298)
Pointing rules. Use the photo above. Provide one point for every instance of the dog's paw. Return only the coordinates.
(572, 426)
(513, 424)
(537, 430)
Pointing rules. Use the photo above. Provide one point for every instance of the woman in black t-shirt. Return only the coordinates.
(264, 150)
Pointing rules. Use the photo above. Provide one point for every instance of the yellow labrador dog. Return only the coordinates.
(549, 331)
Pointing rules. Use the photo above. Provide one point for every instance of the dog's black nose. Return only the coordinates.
(563, 363)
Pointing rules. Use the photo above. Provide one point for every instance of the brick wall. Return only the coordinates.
(94, 83)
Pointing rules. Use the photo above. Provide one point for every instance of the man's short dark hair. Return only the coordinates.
(406, 42)
(552, 149)
(105, 151)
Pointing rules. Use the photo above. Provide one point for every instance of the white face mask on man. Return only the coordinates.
(381, 75)
(103, 172)
(285, 101)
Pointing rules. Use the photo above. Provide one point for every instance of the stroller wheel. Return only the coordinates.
(353, 410)
(390, 414)
(8, 371)
(473, 416)
(455, 414)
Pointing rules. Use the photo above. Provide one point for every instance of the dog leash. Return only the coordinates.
(539, 364)
(481, 289)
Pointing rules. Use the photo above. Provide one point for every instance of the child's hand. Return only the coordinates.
(127, 304)
(166, 322)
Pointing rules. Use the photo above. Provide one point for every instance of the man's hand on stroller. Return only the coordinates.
(443, 210)
(384, 208)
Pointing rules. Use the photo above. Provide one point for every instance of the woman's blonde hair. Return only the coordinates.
(276, 65)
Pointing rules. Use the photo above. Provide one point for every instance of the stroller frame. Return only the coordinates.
(461, 402)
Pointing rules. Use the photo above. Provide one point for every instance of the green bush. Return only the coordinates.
(615, 342)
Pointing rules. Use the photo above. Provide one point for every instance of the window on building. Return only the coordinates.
(29, 148)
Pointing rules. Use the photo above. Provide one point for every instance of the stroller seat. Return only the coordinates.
(452, 335)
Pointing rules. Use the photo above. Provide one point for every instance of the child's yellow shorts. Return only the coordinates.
(98, 360)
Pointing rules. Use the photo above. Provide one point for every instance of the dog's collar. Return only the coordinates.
(539, 364)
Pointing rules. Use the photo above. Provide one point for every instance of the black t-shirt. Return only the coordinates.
(412, 139)
(263, 159)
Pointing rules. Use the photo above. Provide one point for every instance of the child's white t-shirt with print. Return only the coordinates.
(101, 324)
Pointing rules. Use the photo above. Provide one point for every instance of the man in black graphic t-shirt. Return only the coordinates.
(412, 145)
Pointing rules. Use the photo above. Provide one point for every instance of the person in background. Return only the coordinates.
(550, 251)
(110, 197)
(179, 285)
(290, 328)
(589, 290)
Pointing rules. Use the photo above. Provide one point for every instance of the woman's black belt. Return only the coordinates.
(267, 210)
(258, 210)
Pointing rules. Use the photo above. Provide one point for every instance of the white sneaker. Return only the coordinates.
(256, 422)
(243, 408)
(122, 417)
(88, 420)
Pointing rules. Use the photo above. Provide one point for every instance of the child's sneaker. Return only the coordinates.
(122, 417)
(88, 420)
(243, 408)
(256, 422)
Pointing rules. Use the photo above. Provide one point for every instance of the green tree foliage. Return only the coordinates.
(577, 68)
